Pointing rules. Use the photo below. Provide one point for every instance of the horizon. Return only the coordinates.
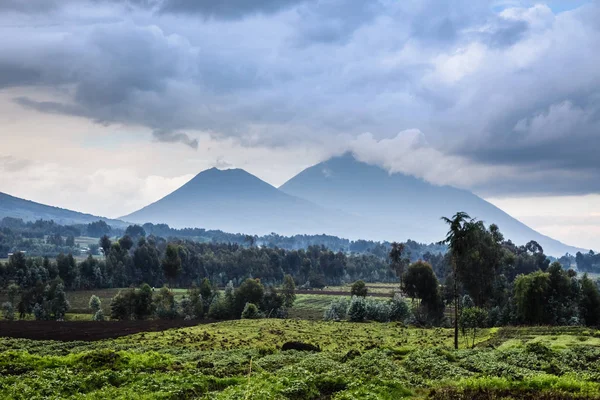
(107, 107)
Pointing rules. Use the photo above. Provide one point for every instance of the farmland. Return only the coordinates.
(244, 359)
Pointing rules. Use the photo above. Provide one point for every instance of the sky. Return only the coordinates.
(107, 105)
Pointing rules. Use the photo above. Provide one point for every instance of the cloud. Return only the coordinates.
(231, 9)
(500, 93)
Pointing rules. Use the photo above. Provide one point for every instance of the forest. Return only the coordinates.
(498, 283)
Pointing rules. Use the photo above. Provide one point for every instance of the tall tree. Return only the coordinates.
(398, 262)
(288, 291)
(105, 245)
(171, 264)
(457, 239)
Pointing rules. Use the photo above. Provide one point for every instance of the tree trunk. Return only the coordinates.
(455, 304)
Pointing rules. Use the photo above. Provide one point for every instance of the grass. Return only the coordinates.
(242, 360)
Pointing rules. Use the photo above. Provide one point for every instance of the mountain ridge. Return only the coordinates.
(28, 210)
(402, 205)
(236, 201)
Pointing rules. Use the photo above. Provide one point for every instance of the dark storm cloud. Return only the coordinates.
(229, 9)
(495, 88)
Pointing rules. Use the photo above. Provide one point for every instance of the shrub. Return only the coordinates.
(250, 311)
(99, 315)
(377, 310)
(120, 305)
(8, 311)
(359, 289)
(39, 312)
(399, 309)
(165, 305)
(336, 310)
(219, 308)
(94, 304)
(357, 311)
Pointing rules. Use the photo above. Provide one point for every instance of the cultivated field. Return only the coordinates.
(244, 360)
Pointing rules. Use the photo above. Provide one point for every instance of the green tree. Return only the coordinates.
(398, 261)
(250, 311)
(458, 240)
(94, 304)
(171, 263)
(70, 241)
(196, 303)
(164, 304)
(288, 291)
(59, 305)
(126, 242)
(143, 302)
(135, 231)
(67, 269)
(357, 310)
(589, 305)
(359, 288)
(98, 229)
(8, 310)
(13, 291)
(471, 319)
(250, 291)
(420, 282)
(105, 244)
(531, 297)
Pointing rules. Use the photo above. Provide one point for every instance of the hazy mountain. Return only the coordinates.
(399, 207)
(15, 207)
(235, 201)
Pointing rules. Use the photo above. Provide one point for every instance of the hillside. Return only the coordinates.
(27, 210)
(399, 207)
(235, 201)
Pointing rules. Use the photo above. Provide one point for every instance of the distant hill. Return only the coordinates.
(15, 207)
(399, 207)
(235, 201)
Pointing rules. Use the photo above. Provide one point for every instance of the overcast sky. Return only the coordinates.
(108, 105)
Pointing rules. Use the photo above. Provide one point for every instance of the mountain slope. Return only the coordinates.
(27, 210)
(235, 201)
(399, 207)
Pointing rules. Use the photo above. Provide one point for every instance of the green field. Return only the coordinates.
(243, 360)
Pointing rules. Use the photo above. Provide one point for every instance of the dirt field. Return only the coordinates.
(86, 330)
(327, 292)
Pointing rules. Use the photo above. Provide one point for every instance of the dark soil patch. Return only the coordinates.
(326, 292)
(86, 330)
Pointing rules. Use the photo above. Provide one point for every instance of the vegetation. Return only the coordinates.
(244, 359)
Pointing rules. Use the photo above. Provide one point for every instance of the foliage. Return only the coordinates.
(94, 304)
(250, 311)
(288, 291)
(165, 305)
(337, 310)
(359, 288)
(8, 311)
(471, 319)
(242, 359)
(357, 310)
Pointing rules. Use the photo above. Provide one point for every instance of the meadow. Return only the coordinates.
(243, 359)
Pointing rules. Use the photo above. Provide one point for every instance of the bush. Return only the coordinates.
(8, 311)
(377, 310)
(359, 289)
(399, 309)
(357, 311)
(165, 305)
(250, 311)
(99, 315)
(94, 304)
(39, 312)
(336, 310)
(219, 308)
